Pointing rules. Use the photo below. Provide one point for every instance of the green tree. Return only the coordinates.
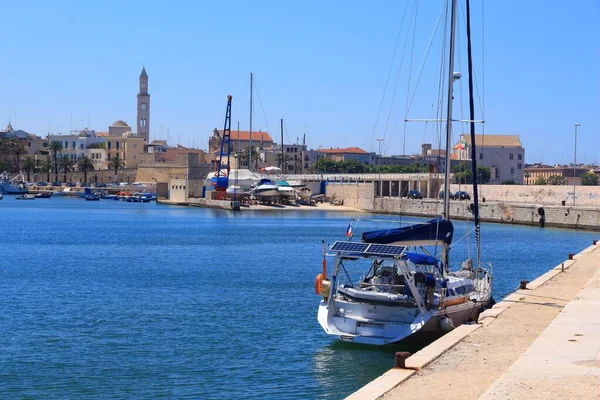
(557, 180)
(589, 179)
(17, 150)
(47, 167)
(85, 164)
(327, 166)
(286, 158)
(483, 174)
(116, 164)
(66, 164)
(541, 181)
(245, 157)
(55, 148)
(28, 166)
(509, 182)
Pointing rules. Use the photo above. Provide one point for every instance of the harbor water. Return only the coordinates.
(111, 299)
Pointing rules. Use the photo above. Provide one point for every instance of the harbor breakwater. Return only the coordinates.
(527, 205)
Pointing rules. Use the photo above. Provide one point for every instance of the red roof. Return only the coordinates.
(347, 150)
(245, 135)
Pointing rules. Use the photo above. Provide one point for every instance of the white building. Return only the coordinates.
(76, 144)
(502, 154)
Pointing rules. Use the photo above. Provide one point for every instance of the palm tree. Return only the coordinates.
(28, 165)
(17, 150)
(4, 154)
(66, 164)
(47, 166)
(55, 148)
(116, 163)
(85, 164)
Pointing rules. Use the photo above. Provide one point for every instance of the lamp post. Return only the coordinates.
(379, 167)
(575, 162)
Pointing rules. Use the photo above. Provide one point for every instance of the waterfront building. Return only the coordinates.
(77, 143)
(143, 107)
(502, 154)
(128, 147)
(536, 172)
(33, 145)
(240, 141)
(293, 156)
(348, 153)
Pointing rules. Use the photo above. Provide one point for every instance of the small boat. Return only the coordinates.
(304, 193)
(109, 197)
(25, 196)
(43, 195)
(92, 197)
(234, 190)
(265, 189)
(64, 192)
(285, 191)
(133, 199)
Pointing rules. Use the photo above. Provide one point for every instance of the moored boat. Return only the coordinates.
(43, 195)
(25, 196)
(16, 185)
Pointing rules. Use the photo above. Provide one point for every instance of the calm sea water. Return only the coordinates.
(115, 300)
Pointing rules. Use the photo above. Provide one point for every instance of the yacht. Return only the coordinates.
(265, 189)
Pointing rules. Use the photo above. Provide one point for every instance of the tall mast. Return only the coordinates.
(282, 159)
(449, 113)
(250, 142)
(473, 146)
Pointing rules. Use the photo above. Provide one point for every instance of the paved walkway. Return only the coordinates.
(564, 362)
(528, 347)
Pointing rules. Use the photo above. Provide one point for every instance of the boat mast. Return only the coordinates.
(250, 142)
(473, 148)
(282, 162)
(449, 113)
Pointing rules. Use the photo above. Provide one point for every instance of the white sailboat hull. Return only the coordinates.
(304, 193)
(286, 191)
(264, 191)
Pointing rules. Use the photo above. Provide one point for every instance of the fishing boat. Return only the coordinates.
(43, 195)
(92, 197)
(61, 193)
(398, 282)
(25, 196)
(15, 185)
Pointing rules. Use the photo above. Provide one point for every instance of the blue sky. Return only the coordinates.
(321, 66)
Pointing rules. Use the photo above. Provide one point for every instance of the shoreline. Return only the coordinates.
(520, 319)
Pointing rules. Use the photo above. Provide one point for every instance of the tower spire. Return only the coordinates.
(143, 107)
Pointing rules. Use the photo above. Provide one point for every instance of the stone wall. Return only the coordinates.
(98, 176)
(524, 214)
(357, 195)
(537, 194)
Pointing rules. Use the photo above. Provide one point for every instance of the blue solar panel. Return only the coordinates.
(349, 246)
(367, 248)
(385, 249)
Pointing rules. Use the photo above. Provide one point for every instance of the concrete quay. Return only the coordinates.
(542, 342)
(226, 205)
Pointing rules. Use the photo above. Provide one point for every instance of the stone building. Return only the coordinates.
(502, 154)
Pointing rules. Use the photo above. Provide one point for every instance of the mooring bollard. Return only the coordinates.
(400, 359)
(571, 256)
(563, 267)
(523, 284)
(594, 242)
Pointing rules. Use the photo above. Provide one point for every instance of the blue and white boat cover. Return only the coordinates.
(437, 229)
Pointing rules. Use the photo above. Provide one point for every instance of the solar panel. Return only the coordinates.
(343, 247)
(386, 249)
(367, 248)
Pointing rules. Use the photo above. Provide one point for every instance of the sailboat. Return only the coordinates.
(396, 283)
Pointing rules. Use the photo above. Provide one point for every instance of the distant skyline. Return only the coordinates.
(320, 67)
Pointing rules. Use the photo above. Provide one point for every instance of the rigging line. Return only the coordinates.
(426, 55)
(387, 79)
(412, 52)
(261, 106)
(397, 77)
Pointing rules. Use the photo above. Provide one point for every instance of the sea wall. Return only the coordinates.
(525, 214)
(537, 194)
(98, 176)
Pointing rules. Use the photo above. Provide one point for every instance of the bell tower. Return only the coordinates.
(143, 108)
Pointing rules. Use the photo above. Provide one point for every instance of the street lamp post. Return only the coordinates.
(575, 162)
(379, 167)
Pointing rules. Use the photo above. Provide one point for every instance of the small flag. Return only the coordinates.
(462, 145)
(349, 230)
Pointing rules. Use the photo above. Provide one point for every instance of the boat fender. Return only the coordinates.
(318, 284)
(446, 324)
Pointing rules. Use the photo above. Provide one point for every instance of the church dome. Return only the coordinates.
(120, 123)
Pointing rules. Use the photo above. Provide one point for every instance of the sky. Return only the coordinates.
(341, 72)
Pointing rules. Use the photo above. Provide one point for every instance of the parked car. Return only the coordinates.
(70, 184)
(84, 185)
(42, 184)
(56, 183)
(441, 196)
(414, 194)
(462, 195)
(100, 185)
